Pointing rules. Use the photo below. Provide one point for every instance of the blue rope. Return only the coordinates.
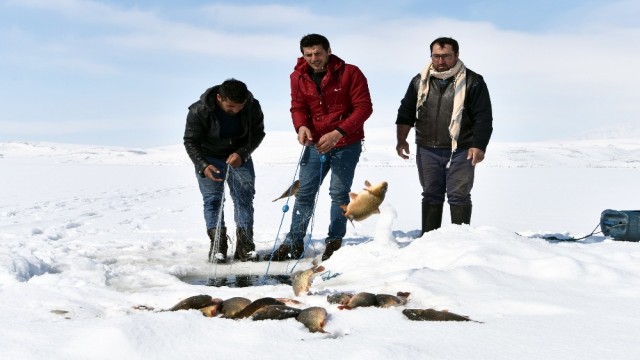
(323, 159)
(285, 208)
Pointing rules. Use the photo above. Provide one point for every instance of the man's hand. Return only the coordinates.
(304, 136)
(403, 149)
(402, 146)
(475, 155)
(328, 141)
(210, 171)
(234, 160)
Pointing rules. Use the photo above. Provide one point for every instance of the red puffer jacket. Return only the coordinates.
(344, 102)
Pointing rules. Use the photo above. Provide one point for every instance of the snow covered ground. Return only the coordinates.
(89, 232)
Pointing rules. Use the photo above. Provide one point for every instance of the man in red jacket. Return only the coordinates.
(330, 102)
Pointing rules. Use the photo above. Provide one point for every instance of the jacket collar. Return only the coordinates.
(334, 64)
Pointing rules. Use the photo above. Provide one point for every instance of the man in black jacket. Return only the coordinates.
(223, 128)
(449, 106)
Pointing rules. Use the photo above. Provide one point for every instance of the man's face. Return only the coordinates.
(229, 106)
(317, 57)
(443, 58)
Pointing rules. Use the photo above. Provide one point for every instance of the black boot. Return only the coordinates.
(431, 217)
(460, 214)
(331, 246)
(286, 251)
(220, 254)
(244, 244)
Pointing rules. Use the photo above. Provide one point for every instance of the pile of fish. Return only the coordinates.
(364, 299)
(313, 318)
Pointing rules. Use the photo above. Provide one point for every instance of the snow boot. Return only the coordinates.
(460, 214)
(220, 254)
(244, 244)
(431, 217)
(286, 251)
(331, 246)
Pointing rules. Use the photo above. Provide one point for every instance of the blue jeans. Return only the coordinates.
(241, 182)
(437, 179)
(342, 163)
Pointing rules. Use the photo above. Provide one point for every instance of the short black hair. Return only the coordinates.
(234, 90)
(442, 41)
(310, 40)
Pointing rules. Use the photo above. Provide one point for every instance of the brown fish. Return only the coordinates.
(255, 306)
(301, 280)
(387, 300)
(292, 190)
(205, 303)
(339, 298)
(365, 203)
(314, 318)
(232, 306)
(434, 315)
(275, 312)
(361, 299)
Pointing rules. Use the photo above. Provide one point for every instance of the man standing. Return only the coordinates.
(330, 102)
(223, 128)
(449, 106)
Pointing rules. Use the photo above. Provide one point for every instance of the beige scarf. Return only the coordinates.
(460, 86)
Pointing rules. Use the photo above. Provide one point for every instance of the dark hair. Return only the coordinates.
(234, 90)
(442, 41)
(310, 40)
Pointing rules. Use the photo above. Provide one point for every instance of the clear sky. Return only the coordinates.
(124, 72)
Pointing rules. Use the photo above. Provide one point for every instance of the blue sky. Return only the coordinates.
(124, 72)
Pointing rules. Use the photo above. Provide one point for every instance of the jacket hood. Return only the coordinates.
(334, 64)
(208, 98)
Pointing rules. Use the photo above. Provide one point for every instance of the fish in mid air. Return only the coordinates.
(366, 203)
(301, 280)
(291, 191)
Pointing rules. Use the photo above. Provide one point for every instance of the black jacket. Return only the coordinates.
(432, 123)
(202, 131)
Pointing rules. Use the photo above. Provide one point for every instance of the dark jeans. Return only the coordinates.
(342, 163)
(437, 179)
(241, 182)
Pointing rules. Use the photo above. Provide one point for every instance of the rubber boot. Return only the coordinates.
(431, 217)
(244, 244)
(460, 214)
(286, 251)
(331, 246)
(221, 254)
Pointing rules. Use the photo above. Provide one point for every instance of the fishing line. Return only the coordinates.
(285, 209)
(323, 159)
(216, 242)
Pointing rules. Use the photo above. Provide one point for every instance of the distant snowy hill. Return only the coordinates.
(626, 130)
(379, 151)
